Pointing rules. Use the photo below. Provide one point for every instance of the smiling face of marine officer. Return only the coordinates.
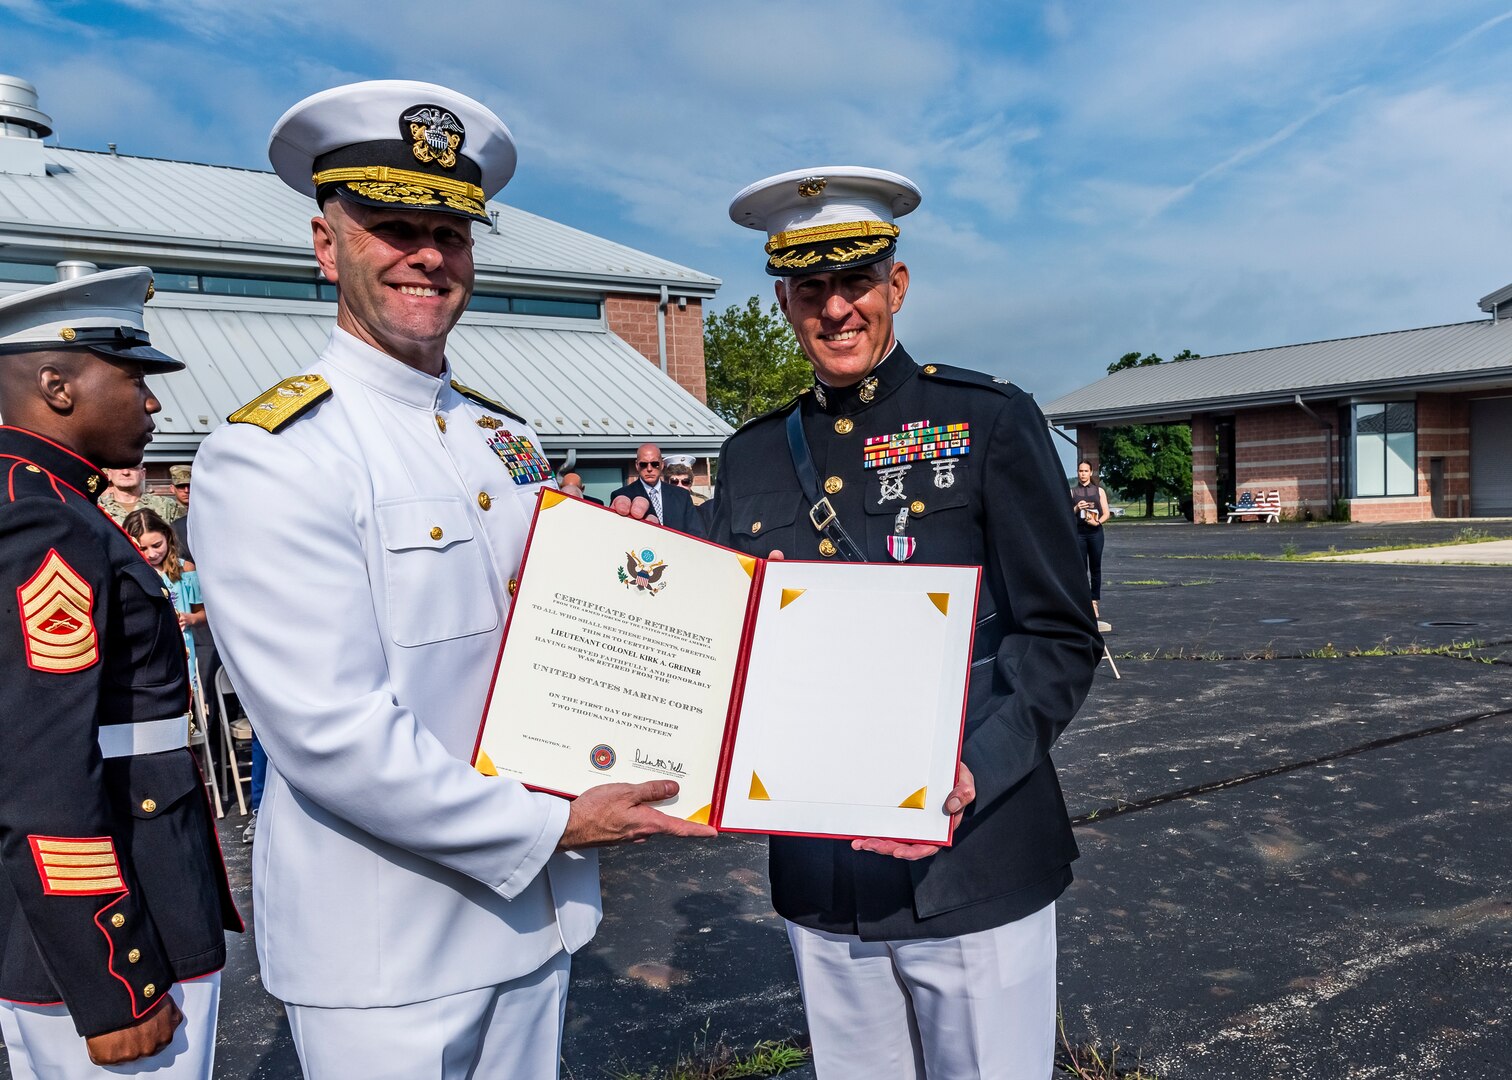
(404, 279)
(844, 318)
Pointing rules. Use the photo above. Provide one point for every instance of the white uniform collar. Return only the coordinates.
(381, 372)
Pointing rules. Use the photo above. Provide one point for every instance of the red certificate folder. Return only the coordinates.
(796, 698)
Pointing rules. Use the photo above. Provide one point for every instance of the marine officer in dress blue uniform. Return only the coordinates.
(359, 528)
(113, 898)
(916, 961)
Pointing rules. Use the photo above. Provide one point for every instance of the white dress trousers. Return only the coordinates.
(975, 1007)
(43, 1044)
(513, 1030)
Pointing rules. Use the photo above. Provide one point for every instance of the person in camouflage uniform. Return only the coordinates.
(132, 483)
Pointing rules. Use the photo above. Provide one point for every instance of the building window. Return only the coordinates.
(29, 273)
(1385, 449)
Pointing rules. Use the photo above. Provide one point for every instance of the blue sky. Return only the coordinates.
(1097, 177)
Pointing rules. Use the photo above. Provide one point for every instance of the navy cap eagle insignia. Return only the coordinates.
(435, 133)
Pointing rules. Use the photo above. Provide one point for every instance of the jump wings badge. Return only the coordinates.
(435, 134)
(643, 572)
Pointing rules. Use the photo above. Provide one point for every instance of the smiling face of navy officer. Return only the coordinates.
(99, 408)
(404, 276)
(844, 318)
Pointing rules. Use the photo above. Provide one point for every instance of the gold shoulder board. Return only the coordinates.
(276, 408)
(486, 401)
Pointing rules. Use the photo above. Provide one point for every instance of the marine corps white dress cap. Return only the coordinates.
(395, 143)
(833, 217)
(99, 312)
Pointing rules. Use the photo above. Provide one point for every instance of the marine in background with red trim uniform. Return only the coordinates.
(113, 896)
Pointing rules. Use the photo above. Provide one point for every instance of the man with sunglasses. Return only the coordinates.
(672, 505)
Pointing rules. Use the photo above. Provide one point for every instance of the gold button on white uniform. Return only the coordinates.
(484, 500)
(436, 533)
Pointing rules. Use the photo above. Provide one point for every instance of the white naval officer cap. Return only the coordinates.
(395, 143)
(99, 312)
(833, 217)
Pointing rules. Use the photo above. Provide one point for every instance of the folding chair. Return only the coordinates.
(199, 737)
(223, 690)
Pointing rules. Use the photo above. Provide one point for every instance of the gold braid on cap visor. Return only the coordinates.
(846, 230)
(404, 186)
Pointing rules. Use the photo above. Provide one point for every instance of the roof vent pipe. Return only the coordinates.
(70, 269)
(661, 329)
(19, 115)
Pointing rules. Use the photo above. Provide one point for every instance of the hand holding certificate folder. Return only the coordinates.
(784, 697)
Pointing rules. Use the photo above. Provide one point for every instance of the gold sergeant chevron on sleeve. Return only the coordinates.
(57, 614)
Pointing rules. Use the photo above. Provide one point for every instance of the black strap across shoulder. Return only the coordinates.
(821, 513)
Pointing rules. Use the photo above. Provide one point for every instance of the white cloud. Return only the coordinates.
(1217, 175)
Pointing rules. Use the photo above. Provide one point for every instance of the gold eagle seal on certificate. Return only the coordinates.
(643, 572)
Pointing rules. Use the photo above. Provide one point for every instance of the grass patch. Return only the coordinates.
(1089, 1061)
(1467, 535)
(767, 1058)
(1459, 650)
(1289, 552)
(1145, 581)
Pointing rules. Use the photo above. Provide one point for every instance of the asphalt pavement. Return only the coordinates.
(1292, 810)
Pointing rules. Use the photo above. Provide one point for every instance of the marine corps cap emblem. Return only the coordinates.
(435, 134)
(811, 186)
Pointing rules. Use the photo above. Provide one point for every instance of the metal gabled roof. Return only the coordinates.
(231, 211)
(1400, 361)
(572, 384)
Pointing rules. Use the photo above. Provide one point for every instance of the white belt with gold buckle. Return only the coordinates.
(148, 737)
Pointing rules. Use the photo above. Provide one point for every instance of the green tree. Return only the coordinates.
(753, 361)
(1148, 459)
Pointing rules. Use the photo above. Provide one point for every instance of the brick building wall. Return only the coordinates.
(1205, 506)
(1443, 431)
(1086, 448)
(633, 318)
(1283, 449)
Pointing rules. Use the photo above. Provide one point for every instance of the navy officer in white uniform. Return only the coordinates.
(359, 528)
